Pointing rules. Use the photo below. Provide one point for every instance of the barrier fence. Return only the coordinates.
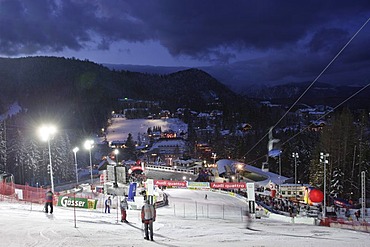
(26, 193)
(198, 210)
(12, 191)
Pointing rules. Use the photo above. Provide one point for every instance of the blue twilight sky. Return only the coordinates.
(249, 41)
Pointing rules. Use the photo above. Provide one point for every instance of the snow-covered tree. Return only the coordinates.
(337, 183)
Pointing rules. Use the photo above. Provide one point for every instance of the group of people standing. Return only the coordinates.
(148, 215)
(123, 207)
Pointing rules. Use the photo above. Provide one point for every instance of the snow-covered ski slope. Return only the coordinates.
(26, 225)
(120, 127)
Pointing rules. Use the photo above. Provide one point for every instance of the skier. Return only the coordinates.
(124, 206)
(148, 214)
(205, 197)
(49, 201)
(248, 219)
(108, 203)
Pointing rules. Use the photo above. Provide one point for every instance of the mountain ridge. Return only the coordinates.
(320, 93)
(71, 89)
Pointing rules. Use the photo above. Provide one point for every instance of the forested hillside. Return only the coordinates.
(79, 96)
(82, 93)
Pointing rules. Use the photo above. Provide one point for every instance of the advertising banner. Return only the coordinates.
(150, 186)
(132, 192)
(170, 183)
(198, 185)
(250, 192)
(66, 201)
(228, 185)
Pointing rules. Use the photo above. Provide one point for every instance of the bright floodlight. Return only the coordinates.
(46, 132)
(75, 150)
(88, 144)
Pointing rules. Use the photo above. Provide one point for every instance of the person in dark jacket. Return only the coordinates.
(49, 201)
(358, 214)
(108, 203)
(148, 215)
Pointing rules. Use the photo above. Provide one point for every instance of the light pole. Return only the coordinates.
(115, 169)
(324, 159)
(46, 133)
(75, 150)
(89, 146)
(279, 169)
(295, 156)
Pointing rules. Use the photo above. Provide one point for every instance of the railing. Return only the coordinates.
(170, 169)
(198, 210)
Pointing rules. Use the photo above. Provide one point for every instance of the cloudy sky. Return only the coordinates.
(252, 41)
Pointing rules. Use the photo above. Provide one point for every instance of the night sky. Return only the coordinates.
(250, 42)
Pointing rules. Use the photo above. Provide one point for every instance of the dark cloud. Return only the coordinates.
(328, 40)
(210, 30)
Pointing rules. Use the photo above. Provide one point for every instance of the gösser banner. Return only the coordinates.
(66, 201)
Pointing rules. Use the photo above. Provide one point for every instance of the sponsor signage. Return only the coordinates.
(198, 185)
(250, 192)
(228, 185)
(170, 183)
(66, 201)
(150, 186)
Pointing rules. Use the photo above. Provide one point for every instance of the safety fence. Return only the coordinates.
(198, 210)
(26, 193)
(347, 224)
(6, 189)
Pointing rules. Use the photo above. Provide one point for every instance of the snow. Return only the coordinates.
(12, 110)
(121, 127)
(24, 224)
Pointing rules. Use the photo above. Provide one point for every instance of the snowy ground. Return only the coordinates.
(27, 225)
(121, 127)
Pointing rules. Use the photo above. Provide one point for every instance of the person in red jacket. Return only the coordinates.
(148, 215)
(49, 201)
(124, 207)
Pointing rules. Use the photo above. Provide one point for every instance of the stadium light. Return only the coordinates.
(324, 160)
(295, 156)
(47, 132)
(75, 150)
(89, 145)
